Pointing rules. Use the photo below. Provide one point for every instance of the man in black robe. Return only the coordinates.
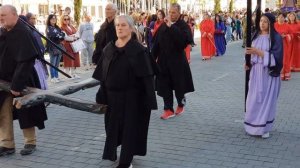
(17, 58)
(168, 49)
(106, 33)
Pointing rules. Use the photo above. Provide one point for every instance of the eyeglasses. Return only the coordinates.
(66, 19)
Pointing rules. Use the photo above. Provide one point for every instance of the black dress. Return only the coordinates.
(127, 87)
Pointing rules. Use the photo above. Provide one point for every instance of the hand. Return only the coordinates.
(283, 35)
(204, 34)
(15, 93)
(168, 21)
(210, 35)
(103, 108)
(289, 38)
(246, 67)
(254, 51)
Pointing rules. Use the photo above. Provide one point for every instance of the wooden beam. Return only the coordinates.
(33, 96)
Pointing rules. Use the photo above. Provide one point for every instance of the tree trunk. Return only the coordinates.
(77, 11)
(217, 6)
(231, 6)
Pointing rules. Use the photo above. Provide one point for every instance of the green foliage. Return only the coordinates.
(231, 6)
(217, 6)
(77, 11)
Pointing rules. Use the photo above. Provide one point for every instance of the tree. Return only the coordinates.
(217, 6)
(77, 11)
(231, 6)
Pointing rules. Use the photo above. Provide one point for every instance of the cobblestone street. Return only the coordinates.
(210, 134)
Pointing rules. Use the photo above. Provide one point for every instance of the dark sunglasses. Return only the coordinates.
(66, 19)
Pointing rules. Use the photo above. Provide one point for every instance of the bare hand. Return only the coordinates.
(254, 51)
(15, 93)
(168, 21)
(246, 67)
(210, 35)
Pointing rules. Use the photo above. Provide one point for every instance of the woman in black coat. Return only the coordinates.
(127, 87)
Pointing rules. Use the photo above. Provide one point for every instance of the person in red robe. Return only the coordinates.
(295, 30)
(188, 48)
(284, 30)
(207, 29)
(70, 37)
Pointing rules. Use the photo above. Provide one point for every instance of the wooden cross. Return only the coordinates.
(33, 96)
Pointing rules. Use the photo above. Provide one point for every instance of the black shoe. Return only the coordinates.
(28, 149)
(124, 166)
(6, 151)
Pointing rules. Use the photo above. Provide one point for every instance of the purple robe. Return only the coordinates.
(40, 70)
(263, 90)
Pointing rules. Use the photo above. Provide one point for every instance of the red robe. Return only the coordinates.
(188, 48)
(284, 29)
(208, 47)
(295, 64)
(68, 62)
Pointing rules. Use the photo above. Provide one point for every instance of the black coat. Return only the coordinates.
(127, 87)
(106, 34)
(17, 58)
(168, 50)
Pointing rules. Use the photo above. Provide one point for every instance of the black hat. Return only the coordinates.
(271, 17)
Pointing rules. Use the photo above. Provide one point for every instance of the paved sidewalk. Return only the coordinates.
(209, 134)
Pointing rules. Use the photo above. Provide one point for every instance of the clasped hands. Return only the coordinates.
(254, 51)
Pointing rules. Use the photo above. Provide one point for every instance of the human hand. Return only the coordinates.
(246, 67)
(254, 51)
(15, 93)
(168, 21)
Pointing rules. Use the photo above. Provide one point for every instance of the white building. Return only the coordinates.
(44, 7)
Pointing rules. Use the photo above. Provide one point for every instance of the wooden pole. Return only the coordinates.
(248, 44)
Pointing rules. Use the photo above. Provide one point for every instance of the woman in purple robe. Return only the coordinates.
(266, 51)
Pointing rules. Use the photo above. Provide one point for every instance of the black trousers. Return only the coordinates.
(169, 102)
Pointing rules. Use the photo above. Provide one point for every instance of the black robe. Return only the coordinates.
(17, 58)
(106, 34)
(168, 50)
(127, 87)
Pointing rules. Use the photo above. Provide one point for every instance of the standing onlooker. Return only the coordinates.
(170, 40)
(86, 33)
(70, 36)
(106, 33)
(238, 28)
(54, 33)
(284, 30)
(207, 29)
(17, 58)
(160, 19)
(127, 88)
(264, 89)
(228, 29)
(219, 36)
(149, 31)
